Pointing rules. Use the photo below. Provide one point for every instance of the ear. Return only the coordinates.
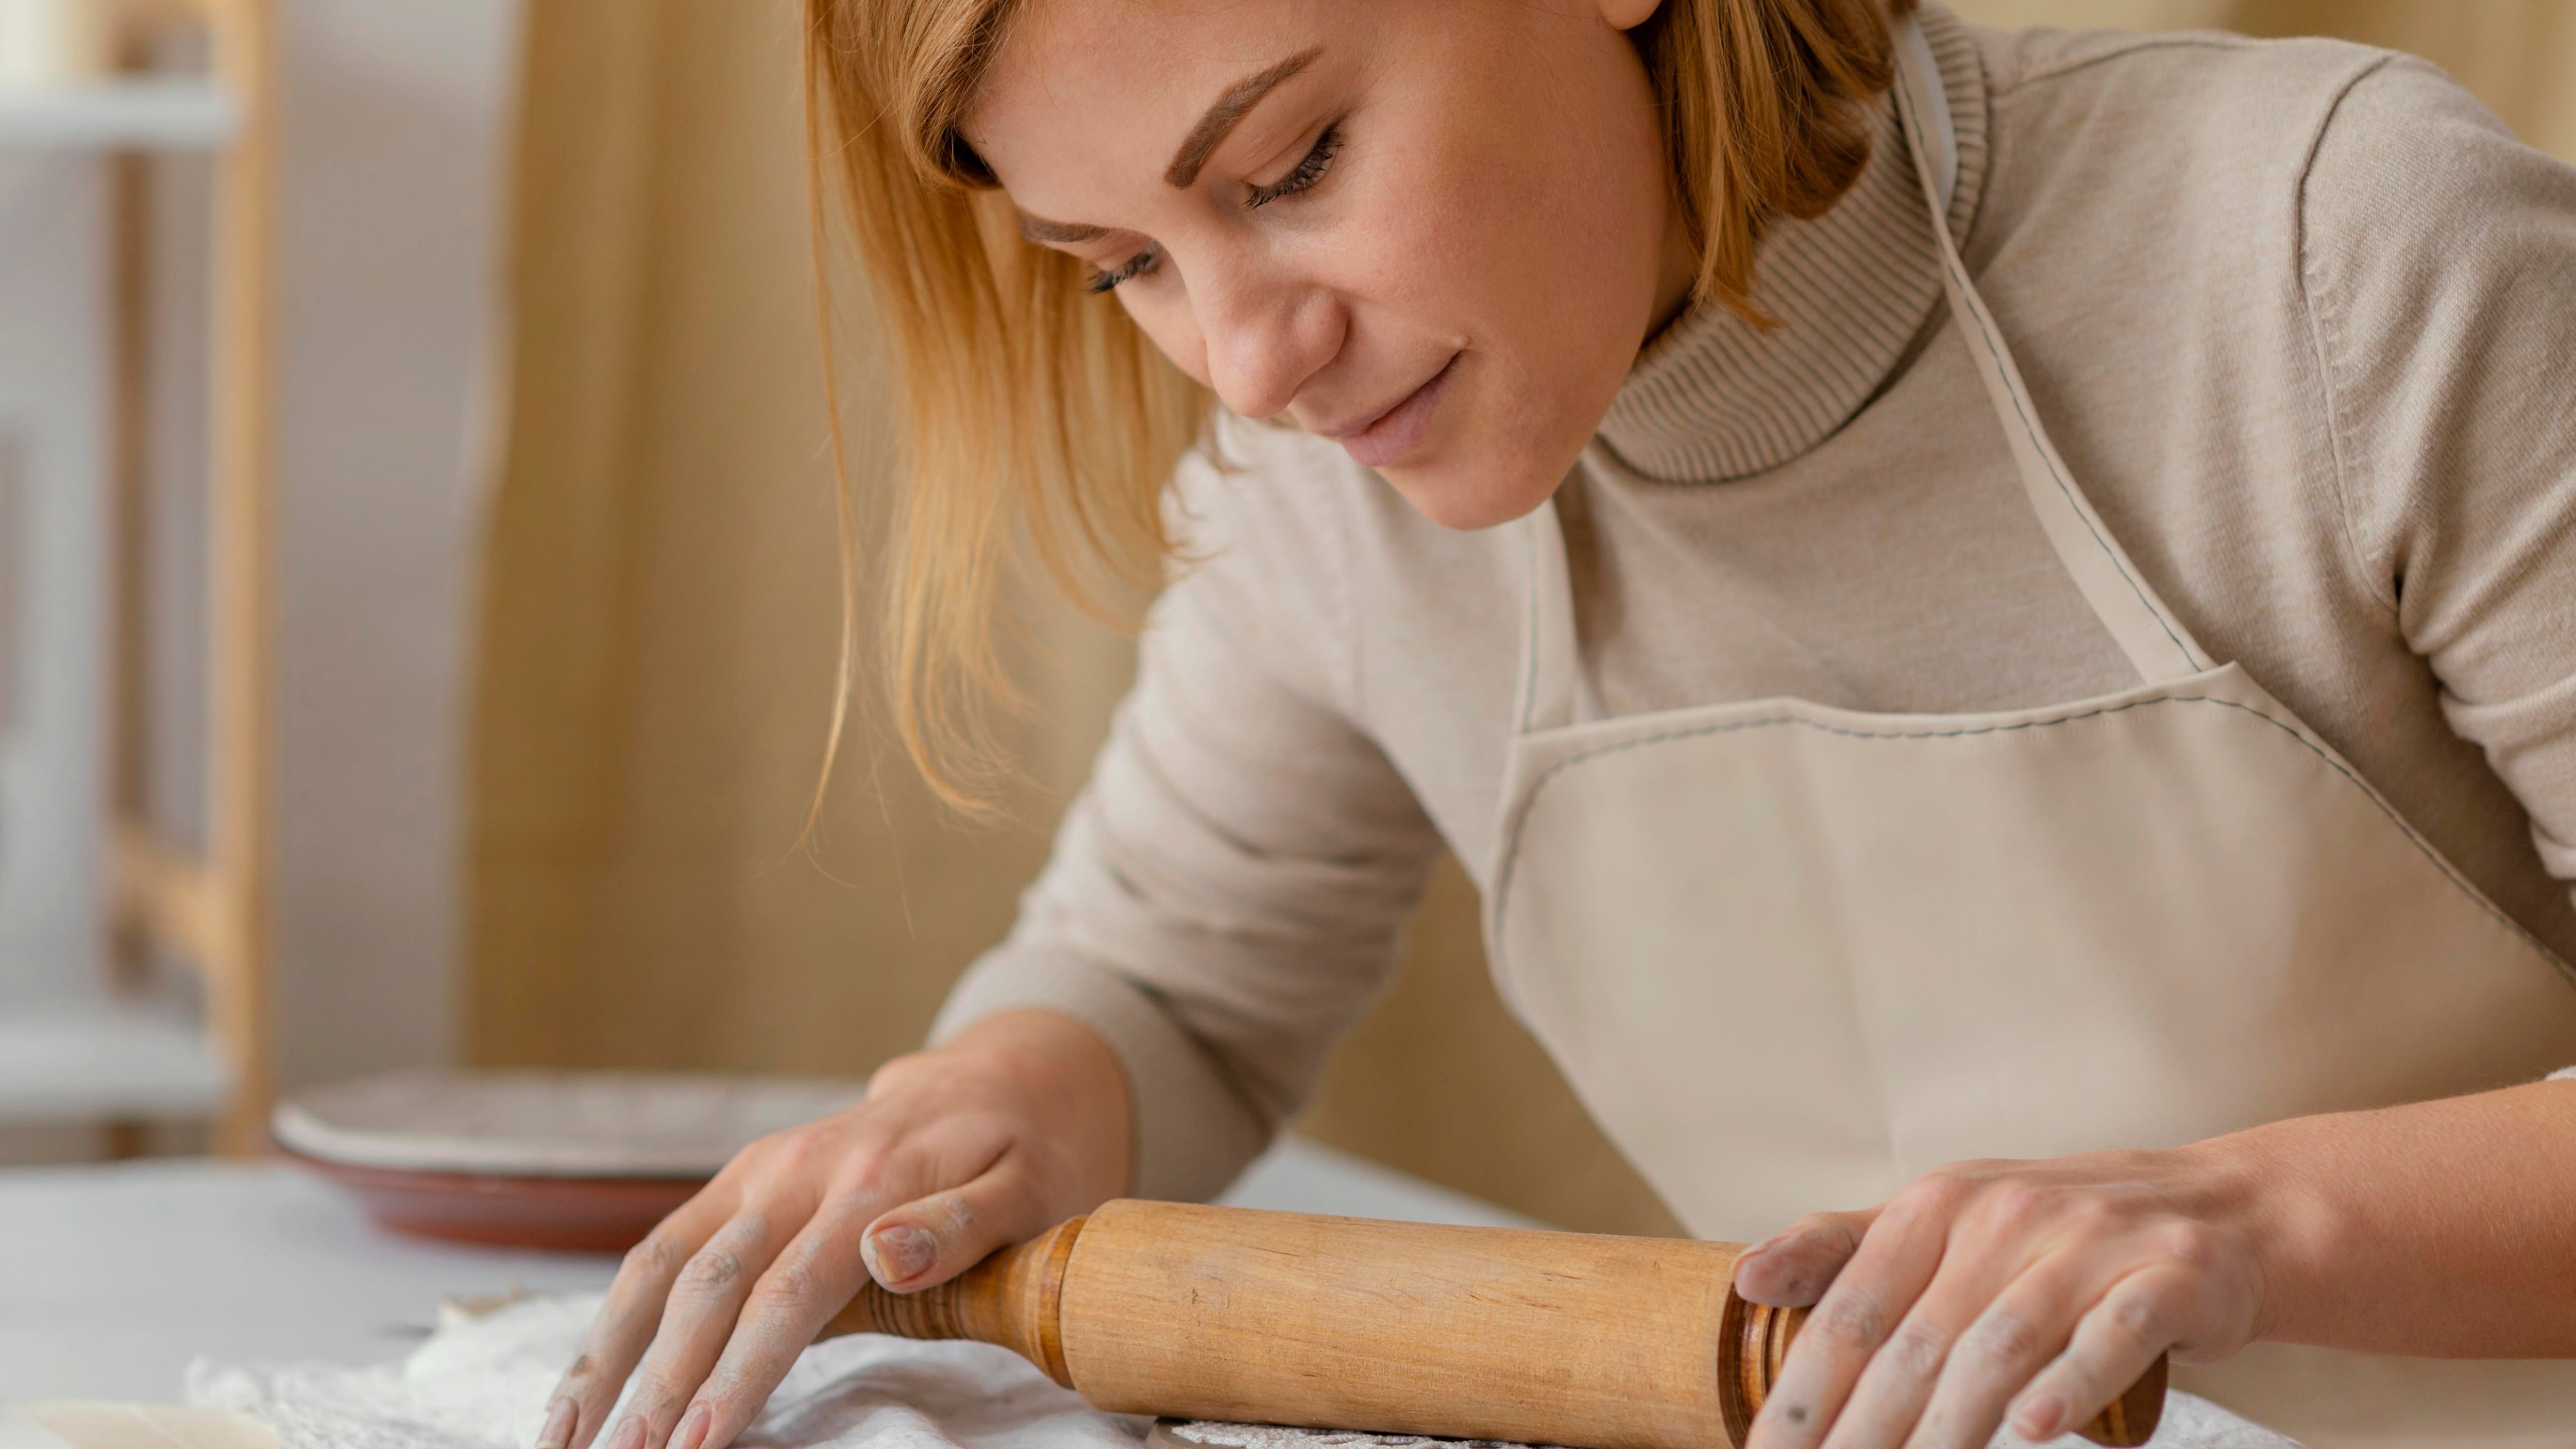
(1628, 14)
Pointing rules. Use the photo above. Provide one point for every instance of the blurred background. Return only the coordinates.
(541, 520)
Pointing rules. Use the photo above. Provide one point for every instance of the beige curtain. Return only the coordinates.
(658, 623)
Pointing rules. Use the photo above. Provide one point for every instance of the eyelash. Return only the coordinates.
(1126, 271)
(1318, 160)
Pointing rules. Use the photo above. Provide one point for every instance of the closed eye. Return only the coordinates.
(1127, 271)
(1319, 159)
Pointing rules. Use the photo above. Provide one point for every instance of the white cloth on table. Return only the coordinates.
(482, 1383)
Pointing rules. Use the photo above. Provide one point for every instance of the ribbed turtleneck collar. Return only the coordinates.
(1715, 398)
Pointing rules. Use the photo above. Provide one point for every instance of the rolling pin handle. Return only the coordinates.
(1013, 1298)
(1759, 1336)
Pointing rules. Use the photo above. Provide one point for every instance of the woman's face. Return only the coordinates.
(1436, 231)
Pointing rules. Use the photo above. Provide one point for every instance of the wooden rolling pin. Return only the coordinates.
(1347, 1323)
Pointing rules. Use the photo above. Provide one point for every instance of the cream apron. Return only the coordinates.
(1792, 956)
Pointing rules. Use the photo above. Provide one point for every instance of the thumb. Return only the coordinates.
(933, 1239)
(1794, 1267)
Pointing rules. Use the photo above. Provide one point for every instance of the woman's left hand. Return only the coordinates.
(2042, 1289)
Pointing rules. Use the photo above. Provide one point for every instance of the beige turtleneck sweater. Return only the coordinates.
(2302, 318)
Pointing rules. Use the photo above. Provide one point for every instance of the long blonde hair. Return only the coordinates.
(1032, 409)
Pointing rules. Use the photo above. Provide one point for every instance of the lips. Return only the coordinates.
(1391, 435)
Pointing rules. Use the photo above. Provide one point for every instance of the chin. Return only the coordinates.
(1470, 494)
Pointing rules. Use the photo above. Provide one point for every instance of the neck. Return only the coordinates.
(1676, 273)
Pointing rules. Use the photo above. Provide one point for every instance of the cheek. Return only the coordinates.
(1546, 266)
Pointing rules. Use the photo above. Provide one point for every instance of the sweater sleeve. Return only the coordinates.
(2439, 256)
(1225, 897)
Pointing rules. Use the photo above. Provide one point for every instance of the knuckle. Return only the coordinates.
(1928, 1193)
(711, 1269)
(1852, 1322)
(1918, 1349)
(652, 1258)
(2003, 1336)
(951, 1216)
(575, 1377)
(1825, 1233)
(2141, 1315)
(1812, 1225)
(867, 1171)
(1939, 1192)
(899, 1074)
(791, 1282)
(810, 1150)
(2095, 1214)
(652, 1392)
(2191, 1244)
(2015, 1209)
(753, 1163)
(722, 1390)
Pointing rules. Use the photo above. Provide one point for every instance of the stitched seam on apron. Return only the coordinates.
(1529, 802)
(2039, 444)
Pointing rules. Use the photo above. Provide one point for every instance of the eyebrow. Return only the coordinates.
(1070, 233)
(1201, 143)
(1231, 107)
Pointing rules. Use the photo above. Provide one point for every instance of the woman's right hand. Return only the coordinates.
(1010, 1127)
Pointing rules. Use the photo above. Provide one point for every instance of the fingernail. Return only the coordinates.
(693, 1427)
(558, 1430)
(630, 1433)
(900, 1252)
(2038, 1419)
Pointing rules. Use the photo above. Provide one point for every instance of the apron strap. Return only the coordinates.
(2146, 631)
(1549, 669)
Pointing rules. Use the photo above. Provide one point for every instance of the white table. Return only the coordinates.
(112, 1278)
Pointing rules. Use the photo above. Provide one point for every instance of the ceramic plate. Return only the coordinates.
(585, 1161)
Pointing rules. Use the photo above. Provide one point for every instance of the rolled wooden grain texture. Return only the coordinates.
(1526, 1337)
(1347, 1323)
(1011, 1298)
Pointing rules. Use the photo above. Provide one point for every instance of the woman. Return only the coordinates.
(1995, 615)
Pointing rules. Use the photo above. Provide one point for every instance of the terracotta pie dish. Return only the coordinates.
(569, 1161)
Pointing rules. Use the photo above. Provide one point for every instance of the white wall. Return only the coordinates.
(52, 542)
(394, 204)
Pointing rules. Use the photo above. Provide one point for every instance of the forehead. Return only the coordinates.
(1127, 78)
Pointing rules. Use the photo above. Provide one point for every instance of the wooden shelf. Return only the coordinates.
(98, 1058)
(155, 114)
(93, 1059)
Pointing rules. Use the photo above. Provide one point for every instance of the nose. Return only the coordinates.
(1264, 333)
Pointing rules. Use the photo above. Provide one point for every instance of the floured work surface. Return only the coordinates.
(483, 1383)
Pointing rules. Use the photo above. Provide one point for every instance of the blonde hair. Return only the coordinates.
(1032, 409)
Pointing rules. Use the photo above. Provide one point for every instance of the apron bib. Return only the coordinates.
(1793, 956)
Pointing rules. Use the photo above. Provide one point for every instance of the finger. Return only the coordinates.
(2000, 1352)
(935, 1238)
(1897, 1258)
(705, 1300)
(1793, 1268)
(627, 1318)
(824, 1266)
(1896, 1387)
(2118, 1340)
